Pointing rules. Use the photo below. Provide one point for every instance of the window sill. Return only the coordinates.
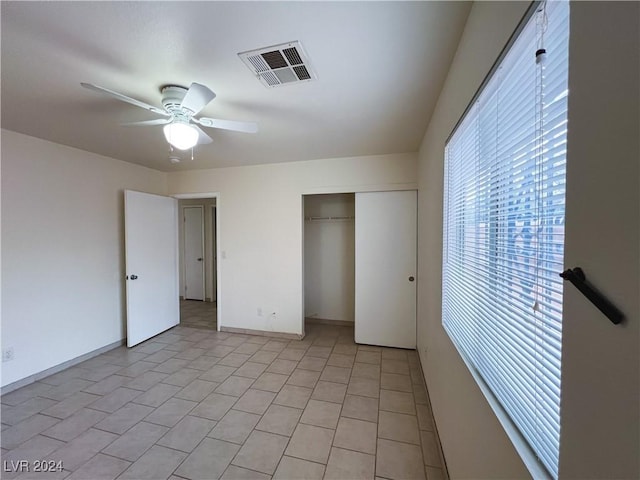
(529, 458)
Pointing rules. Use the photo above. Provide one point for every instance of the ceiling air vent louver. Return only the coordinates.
(279, 64)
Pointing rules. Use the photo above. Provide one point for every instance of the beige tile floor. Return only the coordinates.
(200, 404)
(197, 314)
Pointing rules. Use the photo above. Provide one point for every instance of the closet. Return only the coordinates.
(329, 258)
(360, 264)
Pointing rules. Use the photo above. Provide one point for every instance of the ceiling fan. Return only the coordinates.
(180, 105)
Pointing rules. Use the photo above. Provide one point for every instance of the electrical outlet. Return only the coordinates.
(7, 354)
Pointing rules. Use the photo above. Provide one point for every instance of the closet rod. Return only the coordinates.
(312, 219)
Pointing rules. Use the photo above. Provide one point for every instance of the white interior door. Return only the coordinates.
(194, 252)
(386, 241)
(151, 246)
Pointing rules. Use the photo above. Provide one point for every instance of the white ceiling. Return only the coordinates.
(380, 67)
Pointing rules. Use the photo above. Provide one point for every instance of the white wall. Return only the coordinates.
(600, 362)
(600, 406)
(260, 220)
(62, 251)
(329, 257)
(209, 280)
(473, 441)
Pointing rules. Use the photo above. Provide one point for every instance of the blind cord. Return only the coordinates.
(540, 58)
(541, 27)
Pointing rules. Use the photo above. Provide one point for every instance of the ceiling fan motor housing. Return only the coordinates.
(172, 97)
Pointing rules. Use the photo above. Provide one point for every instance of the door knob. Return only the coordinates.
(411, 279)
(133, 277)
(200, 259)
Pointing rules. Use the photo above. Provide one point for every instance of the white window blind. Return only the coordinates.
(504, 229)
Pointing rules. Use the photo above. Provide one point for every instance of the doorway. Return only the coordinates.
(329, 263)
(193, 252)
(198, 272)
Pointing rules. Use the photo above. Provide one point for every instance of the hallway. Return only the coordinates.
(197, 314)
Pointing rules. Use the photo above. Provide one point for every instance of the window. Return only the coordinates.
(504, 191)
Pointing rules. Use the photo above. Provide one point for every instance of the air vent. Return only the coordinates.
(278, 65)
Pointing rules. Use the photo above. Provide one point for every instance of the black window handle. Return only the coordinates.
(579, 280)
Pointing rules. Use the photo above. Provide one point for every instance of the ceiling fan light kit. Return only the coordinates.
(181, 135)
(181, 105)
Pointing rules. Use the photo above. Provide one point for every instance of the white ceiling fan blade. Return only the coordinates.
(246, 127)
(203, 138)
(197, 97)
(124, 98)
(146, 123)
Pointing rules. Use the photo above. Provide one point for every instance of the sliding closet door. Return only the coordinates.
(386, 231)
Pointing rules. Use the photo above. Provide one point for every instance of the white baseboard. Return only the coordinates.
(58, 368)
